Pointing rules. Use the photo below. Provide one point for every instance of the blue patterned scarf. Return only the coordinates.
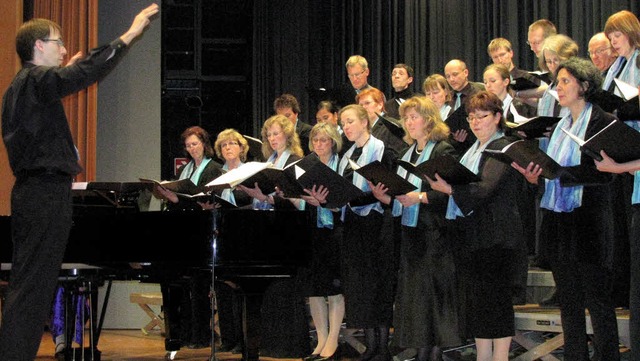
(567, 153)
(629, 74)
(444, 111)
(282, 161)
(471, 160)
(188, 172)
(410, 214)
(325, 216)
(227, 194)
(371, 151)
(546, 106)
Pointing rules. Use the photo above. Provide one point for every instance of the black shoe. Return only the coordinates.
(333, 357)
(312, 357)
(225, 347)
(237, 349)
(60, 356)
(198, 345)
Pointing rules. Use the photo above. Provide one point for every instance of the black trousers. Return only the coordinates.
(41, 219)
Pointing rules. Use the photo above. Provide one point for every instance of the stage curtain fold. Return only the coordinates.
(79, 22)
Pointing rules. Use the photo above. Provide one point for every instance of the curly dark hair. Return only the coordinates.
(584, 71)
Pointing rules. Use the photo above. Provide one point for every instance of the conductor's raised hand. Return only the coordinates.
(140, 23)
(77, 56)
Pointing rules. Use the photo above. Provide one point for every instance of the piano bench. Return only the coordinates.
(144, 300)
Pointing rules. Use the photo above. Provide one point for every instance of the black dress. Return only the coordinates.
(368, 260)
(487, 242)
(426, 312)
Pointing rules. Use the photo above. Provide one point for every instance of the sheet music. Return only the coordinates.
(628, 91)
(79, 186)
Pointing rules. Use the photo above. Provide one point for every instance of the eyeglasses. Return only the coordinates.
(552, 61)
(192, 145)
(57, 41)
(356, 75)
(229, 144)
(471, 117)
(598, 52)
(321, 140)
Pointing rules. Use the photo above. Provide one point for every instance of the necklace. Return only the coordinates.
(418, 151)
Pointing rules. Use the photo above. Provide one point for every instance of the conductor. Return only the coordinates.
(44, 161)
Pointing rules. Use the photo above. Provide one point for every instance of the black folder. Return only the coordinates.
(446, 166)
(376, 173)
(608, 101)
(525, 83)
(223, 203)
(183, 186)
(394, 125)
(270, 178)
(458, 120)
(523, 152)
(618, 140)
(535, 127)
(255, 148)
(247, 174)
(341, 191)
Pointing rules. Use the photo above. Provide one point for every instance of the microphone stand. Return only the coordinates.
(214, 238)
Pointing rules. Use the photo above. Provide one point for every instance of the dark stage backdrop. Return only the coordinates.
(305, 43)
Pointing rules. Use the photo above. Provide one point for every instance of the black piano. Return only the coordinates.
(111, 229)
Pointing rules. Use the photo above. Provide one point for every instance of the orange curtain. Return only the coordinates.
(79, 22)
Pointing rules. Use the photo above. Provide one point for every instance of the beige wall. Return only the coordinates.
(11, 20)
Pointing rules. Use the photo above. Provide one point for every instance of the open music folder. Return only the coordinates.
(341, 191)
(178, 186)
(394, 125)
(618, 140)
(376, 173)
(239, 175)
(534, 127)
(446, 166)
(255, 148)
(626, 105)
(523, 152)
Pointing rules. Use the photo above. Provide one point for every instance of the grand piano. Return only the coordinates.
(112, 229)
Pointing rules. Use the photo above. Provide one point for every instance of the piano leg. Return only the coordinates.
(251, 303)
(171, 299)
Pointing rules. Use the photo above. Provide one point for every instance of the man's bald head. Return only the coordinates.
(457, 74)
(600, 51)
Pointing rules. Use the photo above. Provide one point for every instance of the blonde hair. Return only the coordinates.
(433, 125)
(432, 82)
(360, 111)
(231, 134)
(331, 131)
(559, 44)
(293, 140)
(497, 44)
(357, 60)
